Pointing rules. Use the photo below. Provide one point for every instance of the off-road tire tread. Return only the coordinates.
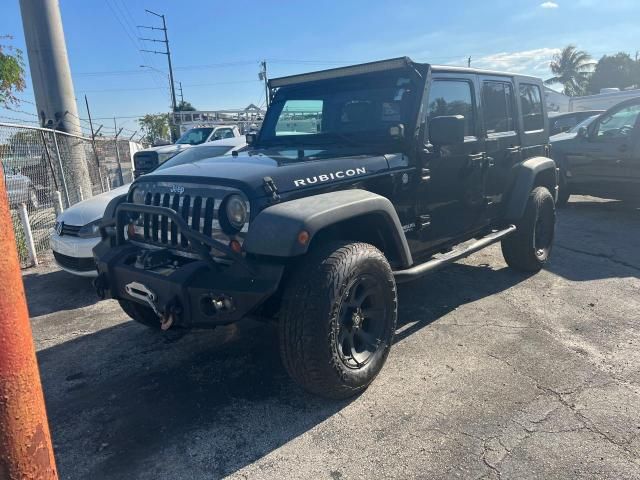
(303, 321)
(518, 249)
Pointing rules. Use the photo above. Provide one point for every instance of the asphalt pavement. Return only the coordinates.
(494, 374)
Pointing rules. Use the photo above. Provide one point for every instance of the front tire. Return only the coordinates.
(338, 318)
(528, 249)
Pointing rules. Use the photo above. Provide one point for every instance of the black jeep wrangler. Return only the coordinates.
(360, 178)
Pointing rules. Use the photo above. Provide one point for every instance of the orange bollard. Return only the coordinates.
(25, 441)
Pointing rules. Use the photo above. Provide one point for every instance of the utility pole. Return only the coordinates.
(181, 95)
(115, 128)
(167, 52)
(262, 75)
(52, 84)
(93, 144)
(469, 62)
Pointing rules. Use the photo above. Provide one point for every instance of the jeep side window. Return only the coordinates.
(497, 100)
(531, 102)
(452, 97)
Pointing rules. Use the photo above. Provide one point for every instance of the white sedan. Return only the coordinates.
(77, 229)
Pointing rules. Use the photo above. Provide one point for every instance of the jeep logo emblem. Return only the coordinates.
(179, 189)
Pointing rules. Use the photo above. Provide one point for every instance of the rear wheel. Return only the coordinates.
(338, 318)
(141, 314)
(528, 249)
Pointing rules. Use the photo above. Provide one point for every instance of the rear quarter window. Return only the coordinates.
(531, 103)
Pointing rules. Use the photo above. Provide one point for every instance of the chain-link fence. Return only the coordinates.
(46, 171)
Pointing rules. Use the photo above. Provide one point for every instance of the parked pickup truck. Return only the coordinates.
(405, 168)
(146, 160)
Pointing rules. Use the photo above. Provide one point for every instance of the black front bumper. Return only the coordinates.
(203, 292)
(193, 287)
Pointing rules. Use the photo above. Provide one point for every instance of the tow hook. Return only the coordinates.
(171, 313)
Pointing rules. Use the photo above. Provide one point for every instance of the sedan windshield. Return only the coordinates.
(355, 111)
(195, 136)
(192, 155)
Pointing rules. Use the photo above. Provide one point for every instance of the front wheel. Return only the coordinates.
(528, 249)
(338, 318)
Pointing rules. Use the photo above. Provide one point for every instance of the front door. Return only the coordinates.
(451, 201)
(603, 163)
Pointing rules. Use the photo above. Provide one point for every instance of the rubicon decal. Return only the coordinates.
(352, 172)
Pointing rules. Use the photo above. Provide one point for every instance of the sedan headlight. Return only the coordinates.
(235, 214)
(90, 230)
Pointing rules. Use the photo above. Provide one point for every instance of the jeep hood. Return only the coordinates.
(248, 172)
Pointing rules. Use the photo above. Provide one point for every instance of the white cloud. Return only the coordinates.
(531, 62)
(549, 5)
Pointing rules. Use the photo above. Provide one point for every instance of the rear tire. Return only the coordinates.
(528, 249)
(338, 318)
(141, 314)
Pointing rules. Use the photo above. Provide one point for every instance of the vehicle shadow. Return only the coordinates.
(70, 292)
(216, 400)
(597, 239)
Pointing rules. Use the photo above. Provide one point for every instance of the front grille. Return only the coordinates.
(71, 230)
(75, 263)
(197, 206)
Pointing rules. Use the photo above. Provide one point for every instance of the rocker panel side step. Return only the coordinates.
(430, 266)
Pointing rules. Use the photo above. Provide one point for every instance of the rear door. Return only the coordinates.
(502, 138)
(451, 200)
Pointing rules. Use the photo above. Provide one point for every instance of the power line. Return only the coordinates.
(163, 88)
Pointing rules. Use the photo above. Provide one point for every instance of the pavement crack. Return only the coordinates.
(611, 258)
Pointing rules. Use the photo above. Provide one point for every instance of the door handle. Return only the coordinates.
(513, 150)
(476, 157)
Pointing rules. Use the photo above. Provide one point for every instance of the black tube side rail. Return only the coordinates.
(182, 225)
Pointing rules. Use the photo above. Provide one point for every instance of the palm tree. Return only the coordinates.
(571, 68)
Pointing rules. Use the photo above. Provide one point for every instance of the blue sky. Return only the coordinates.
(217, 45)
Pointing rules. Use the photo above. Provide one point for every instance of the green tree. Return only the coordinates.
(619, 70)
(185, 107)
(154, 127)
(571, 68)
(11, 73)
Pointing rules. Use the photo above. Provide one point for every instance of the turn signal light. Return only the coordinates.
(303, 237)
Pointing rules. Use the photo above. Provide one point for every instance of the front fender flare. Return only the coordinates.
(274, 231)
(525, 180)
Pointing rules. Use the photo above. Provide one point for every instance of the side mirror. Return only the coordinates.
(583, 132)
(397, 131)
(447, 130)
(251, 138)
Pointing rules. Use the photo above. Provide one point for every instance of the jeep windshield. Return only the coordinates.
(194, 136)
(356, 111)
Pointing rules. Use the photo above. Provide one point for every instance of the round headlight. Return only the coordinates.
(236, 212)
